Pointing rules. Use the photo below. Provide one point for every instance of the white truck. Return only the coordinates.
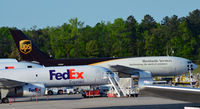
(59, 90)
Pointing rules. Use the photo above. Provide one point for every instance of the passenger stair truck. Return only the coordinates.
(130, 86)
(116, 86)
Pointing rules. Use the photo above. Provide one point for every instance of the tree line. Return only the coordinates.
(172, 36)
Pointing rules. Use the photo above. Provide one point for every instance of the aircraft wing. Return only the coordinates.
(7, 83)
(176, 93)
(124, 69)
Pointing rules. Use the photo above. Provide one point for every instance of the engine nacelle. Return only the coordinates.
(30, 89)
(145, 78)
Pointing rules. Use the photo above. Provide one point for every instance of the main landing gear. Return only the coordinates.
(3, 94)
(4, 100)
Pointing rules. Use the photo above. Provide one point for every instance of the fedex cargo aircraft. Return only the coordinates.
(156, 65)
(32, 82)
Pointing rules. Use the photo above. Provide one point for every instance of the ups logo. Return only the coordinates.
(25, 46)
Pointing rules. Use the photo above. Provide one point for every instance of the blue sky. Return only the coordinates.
(43, 13)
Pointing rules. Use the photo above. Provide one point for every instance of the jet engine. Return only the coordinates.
(145, 78)
(30, 89)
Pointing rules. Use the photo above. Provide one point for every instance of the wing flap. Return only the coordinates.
(7, 83)
(124, 69)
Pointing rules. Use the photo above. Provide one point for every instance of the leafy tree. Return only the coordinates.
(132, 25)
(7, 44)
(147, 23)
(122, 38)
(193, 21)
(92, 49)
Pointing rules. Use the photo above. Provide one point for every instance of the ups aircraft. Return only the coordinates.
(30, 52)
(155, 65)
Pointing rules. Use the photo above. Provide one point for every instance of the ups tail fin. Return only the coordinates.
(27, 48)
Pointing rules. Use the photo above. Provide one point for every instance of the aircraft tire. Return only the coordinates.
(60, 92)
(50, 92)
(5, 100)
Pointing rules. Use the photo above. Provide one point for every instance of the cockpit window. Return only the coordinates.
(189, 62)
(30, 66)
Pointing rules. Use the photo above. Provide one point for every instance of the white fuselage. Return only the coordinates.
(14, 64)
(158, 65)
(59, 76)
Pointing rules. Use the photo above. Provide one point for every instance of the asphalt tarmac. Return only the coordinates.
(77, 102)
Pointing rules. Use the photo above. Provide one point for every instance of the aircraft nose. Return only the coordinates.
(191, 65)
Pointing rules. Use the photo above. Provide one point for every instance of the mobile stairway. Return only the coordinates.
(118, 89)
